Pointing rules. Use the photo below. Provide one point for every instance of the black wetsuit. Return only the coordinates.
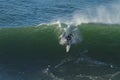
(69, 37)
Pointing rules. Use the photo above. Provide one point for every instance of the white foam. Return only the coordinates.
(75, 38)
(101, 14)
(107, 14)
(70, 29)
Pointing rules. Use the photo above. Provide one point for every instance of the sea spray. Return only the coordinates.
(109, 14)
(103, 13)
(106, 14)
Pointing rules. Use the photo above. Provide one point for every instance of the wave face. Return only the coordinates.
(33, 53)
(42, 41)
(100, 40)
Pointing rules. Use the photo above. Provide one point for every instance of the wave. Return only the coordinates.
(100, 40)
(105, 13)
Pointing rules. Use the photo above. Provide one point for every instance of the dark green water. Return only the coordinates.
(34, 53)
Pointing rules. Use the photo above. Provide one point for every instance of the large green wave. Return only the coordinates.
(102, 41)
(41, 43)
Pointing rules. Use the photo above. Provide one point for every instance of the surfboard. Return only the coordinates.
(68, 48)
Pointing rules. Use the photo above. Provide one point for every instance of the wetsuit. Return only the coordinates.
(69, 37)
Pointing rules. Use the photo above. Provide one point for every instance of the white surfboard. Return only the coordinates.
(68, 48)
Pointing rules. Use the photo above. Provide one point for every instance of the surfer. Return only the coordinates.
(68, 42)
(69, 38)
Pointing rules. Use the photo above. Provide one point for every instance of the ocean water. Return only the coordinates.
(16, 13)
(30, 32)
(34, 53)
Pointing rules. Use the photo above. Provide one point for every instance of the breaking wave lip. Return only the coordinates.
(108, 13)
(104, 14)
